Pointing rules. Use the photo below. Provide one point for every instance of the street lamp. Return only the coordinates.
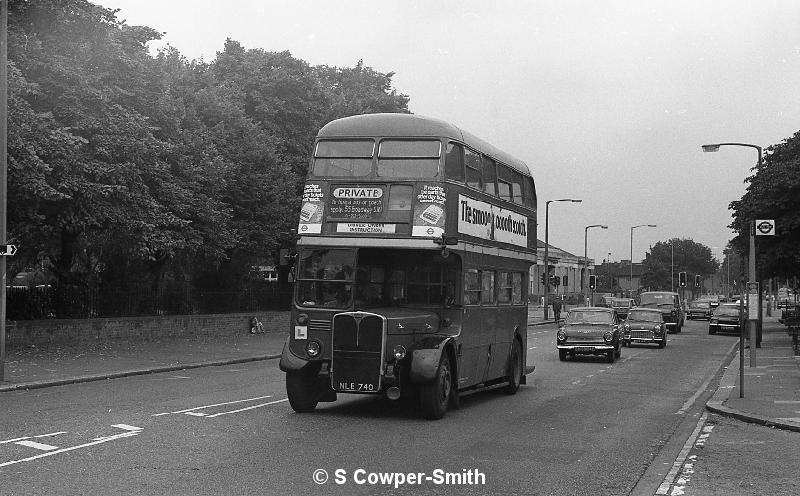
(752, 324)
(585, 257)
(547, 245)
(632, 228)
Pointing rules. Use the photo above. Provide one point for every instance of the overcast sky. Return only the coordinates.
(606, 101)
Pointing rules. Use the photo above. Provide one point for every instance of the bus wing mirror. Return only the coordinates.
(446, 240)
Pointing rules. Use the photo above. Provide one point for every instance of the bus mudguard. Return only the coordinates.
(290, 361)
(425, 357)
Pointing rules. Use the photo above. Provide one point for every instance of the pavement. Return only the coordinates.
(771, 389)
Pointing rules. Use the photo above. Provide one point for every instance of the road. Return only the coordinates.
(582, 426)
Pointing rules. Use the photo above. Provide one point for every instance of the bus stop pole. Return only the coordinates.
(3, 175)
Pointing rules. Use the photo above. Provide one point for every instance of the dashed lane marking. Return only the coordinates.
(211, 406)
(35, 445)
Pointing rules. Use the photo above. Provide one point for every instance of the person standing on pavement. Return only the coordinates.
(557, 309)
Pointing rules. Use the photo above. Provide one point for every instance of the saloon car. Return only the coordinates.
(644, 326)
(669, 304)
(590, 331)
(726, 318)
(622, 306)
(699, 309)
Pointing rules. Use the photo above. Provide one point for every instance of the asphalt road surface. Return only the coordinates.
(582, 426)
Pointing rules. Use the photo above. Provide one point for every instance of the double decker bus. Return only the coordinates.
(415, 242)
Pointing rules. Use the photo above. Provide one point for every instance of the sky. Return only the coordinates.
(606, 101)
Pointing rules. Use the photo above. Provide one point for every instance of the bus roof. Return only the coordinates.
(412, 125)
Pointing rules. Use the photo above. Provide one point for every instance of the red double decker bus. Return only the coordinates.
(414, 247)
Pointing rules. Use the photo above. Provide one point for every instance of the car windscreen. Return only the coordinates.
(588, 317)
(621, 303)
(645, 315)
(700, 304)
(657, 300)
(727, 311)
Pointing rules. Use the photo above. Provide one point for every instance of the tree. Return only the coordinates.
(773, 193)
(682, 255)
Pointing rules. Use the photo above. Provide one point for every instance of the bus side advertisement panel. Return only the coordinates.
(487, 221)
(312, 209)
(429, 211)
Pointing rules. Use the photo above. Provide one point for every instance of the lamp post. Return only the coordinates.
(547, 245)
(751, 324)
(585, 257)
(632, 228)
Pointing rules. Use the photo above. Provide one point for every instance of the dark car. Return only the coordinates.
(669, 304)
(622, 306)
(726, 318)
(590, 331)
(700, 309)
(644, 325)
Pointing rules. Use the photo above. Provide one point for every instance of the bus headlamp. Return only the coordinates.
(313, 348)
(562, 335)
(302, 319)
(399, 352)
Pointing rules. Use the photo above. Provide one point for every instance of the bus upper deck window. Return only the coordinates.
(489, 176)
(516, 185)
(454, 162)
(400, 196)
(472, 162)
(409, 158)
(343, 158)
(504, 182)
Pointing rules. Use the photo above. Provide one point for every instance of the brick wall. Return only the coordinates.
(77, 331)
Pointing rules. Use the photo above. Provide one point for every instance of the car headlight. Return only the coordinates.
(399, 352)
(313, 348)
(657, 328)
(608, 336)
(627, 327)
(561, 335)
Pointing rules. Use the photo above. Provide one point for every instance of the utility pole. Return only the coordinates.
(3, 174)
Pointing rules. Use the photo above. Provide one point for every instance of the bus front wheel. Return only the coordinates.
(302, 389)
(435, 395)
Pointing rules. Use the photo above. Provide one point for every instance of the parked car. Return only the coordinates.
(699, 309)
(622, 306)
(669, 304)
(590, 331)
(726, 318)
(644, 325)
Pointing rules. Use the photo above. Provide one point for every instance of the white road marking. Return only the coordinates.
(247, 408)
(700, 391)
(196, 414)
(52, 434)
(14, 440)
(127, 427)
(787, 402)
(64, 450)
(210, 406)
(671, 476)
(35, 445)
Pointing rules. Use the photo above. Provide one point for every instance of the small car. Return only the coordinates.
(669, 304)
(699, 309)
(622, 306)
(590, 331)
(726, 318)
(644, 325)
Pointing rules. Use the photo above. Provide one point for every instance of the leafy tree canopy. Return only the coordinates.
(773, 193)
(676, 255)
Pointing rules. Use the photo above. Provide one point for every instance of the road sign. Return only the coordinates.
(765, 227)
(752, 300)
(8, 250)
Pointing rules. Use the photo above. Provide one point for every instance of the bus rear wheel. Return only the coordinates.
(514, 368)
(435, 395)
(302, 389)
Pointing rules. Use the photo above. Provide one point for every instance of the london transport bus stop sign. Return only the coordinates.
(8, 250)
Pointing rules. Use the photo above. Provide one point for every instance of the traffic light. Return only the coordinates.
(697, 280)
(544, 279)
(682, 279)
(592, 282)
